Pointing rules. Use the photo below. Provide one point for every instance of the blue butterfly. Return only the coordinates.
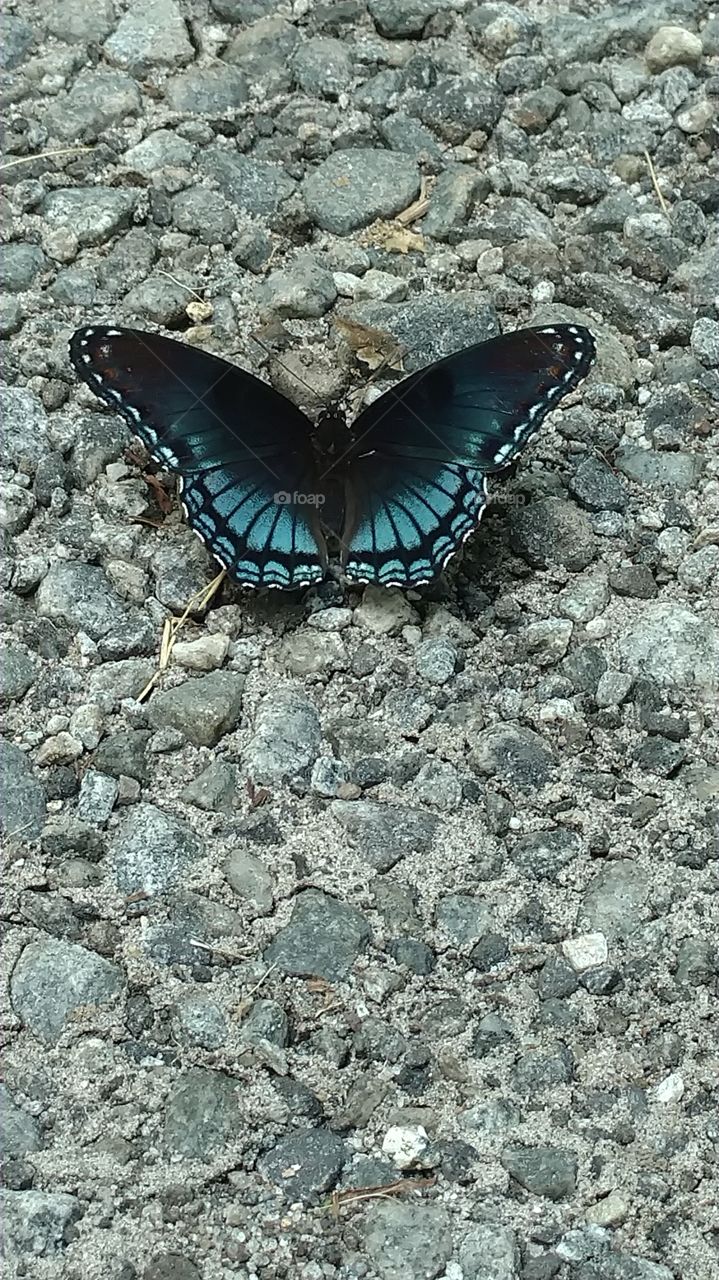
(400, 489)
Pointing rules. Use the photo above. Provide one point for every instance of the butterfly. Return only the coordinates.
(400, 489)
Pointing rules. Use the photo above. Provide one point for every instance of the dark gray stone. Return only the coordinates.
(97, 101)
(159, 150)
(584, 667)
(205, 214)
(403, 133)
(382, 833)
(437, 660)
(252, 186)
(304, 290)
(353, 187)
(79, 596)
(20, 264)
(543, 1171)
(150, 850)
(414, 954)
(615, 900)
(543, 855)
(597, 488)
(575, 183)
(199, 1021)
(209, 91)
(17, 673)
(250, 879)
(633, 310)
(53, 978)
(453, 197)
(518, 754)
(552, 531)
(20, 1131)
(536, 109)
(22, 812)
(305, 1165)
(634, 580)
(459, 105)
(203, 709)
(659, 469)
(73, 21)
(537, 1070)
(322, 66)
(158, 299)
(124, 753)
(323, 938)
(202, 1115)
(16, 39)
(263, 51)
(660, 756)
(25, 438)
(397, 19)
(215, 789)
(465, 917)
(151, 34)
(672, 645)
(93, 214)
(268, 1021)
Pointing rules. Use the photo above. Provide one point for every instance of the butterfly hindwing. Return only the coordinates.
(242, 450)
(404, 523)
(416, 478)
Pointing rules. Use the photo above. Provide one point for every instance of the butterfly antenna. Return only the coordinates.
(290, 372)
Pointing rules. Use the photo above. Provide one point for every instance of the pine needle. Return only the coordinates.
(44, 155)
(653, 175)
(172, 626)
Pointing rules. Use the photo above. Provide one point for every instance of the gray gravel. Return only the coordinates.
(371, 890)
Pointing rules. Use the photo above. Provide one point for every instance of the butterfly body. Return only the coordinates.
(399, 489)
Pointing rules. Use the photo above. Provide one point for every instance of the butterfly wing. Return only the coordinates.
(242, 450)
(416, 478)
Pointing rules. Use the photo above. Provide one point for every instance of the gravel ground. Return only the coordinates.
(419, 890)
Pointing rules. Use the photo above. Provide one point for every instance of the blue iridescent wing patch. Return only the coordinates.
(242, 451)
(416, 478)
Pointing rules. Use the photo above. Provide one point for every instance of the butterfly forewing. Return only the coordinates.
(241, 449)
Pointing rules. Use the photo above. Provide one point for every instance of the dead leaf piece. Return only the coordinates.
(401, 240)
(373, 347)
(162, 497)
(256, 795)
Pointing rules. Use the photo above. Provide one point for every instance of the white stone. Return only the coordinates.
(405, 1144)
(585, 951)
(205, 654)
(670, 1089)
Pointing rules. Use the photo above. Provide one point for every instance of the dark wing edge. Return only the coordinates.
(203, 480)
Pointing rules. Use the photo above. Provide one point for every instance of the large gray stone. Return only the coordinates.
(151, 850)
(35, 1223)
(22, 811)
(351, 188)
(323, 938)
(52, 979)
(203, 710)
